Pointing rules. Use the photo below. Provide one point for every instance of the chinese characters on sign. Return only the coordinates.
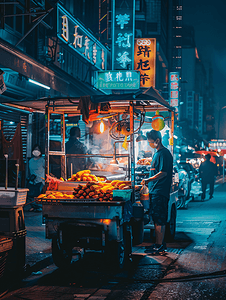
(77, 37)
(121, 79)
(174, 81)
(144, 61)
(122, 35)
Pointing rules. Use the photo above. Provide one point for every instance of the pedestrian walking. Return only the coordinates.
(207, 173)
(159, 184)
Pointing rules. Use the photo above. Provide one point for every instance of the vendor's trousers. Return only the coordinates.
(204, 186)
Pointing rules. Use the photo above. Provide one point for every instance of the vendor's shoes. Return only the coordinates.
(156, 249)
(211, 197)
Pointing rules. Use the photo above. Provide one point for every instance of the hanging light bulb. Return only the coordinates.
(101, 126)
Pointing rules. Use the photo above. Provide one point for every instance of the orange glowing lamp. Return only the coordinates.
(101, 126)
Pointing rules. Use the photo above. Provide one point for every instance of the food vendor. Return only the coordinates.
(74, 146)
(159, 184)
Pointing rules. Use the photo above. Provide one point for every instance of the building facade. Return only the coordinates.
(46, 51)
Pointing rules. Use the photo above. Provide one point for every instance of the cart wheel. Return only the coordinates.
(115, 254)
(171, 226)
(61, 255)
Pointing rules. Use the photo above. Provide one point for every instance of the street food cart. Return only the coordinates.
(90, 223)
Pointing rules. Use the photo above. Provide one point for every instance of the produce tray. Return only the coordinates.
(12, 197)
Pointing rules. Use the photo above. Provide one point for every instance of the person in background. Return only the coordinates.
(159, 184)
(207, 173)
(74, 146)
(36, 179)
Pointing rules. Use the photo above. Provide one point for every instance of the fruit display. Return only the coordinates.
(101, 191)
(94, 191)
(144, 161)
(85, 175)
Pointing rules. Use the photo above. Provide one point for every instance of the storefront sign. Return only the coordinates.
(122, 79)
(144, 61)
(77, 37)
(217, 144)
(123, 34)
(174, 80)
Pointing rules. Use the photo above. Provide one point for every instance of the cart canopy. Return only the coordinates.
(148, 97)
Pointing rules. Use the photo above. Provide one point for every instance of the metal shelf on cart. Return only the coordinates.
(81, 202)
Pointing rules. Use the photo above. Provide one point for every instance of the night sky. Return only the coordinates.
(208, 19)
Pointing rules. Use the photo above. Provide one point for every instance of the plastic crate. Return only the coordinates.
(12, 197)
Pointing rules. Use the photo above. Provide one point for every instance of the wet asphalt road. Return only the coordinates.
(193, 268)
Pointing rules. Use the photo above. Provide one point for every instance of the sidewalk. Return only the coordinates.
(38, 248)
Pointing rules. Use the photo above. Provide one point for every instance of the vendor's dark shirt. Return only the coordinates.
(207, 170)
(162, 161)
(74, 146)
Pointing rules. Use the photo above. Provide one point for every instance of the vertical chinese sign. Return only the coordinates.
(123, 34)
(78, 38)
(144, 61)
(174, 81)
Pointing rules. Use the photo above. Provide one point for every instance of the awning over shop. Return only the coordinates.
(57, 80)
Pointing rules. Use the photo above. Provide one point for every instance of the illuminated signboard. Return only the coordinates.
(217, 144)
(77, 37)
(174, 80)
(144, 61)
(121, 79)
(123, 34)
